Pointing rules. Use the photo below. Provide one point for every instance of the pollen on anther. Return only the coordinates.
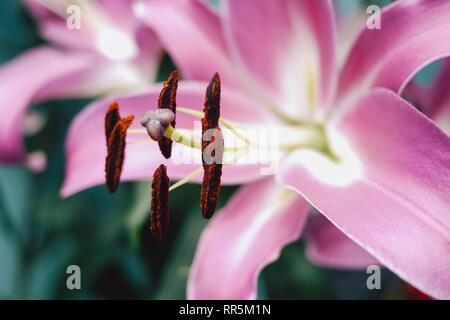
(167, 100)
(160, 204)
(116, 153)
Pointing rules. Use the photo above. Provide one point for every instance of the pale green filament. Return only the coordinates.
(313, 136)
(197, 172)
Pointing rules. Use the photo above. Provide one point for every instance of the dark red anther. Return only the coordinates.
(213, 165)
(111, 119)
(167, 100)
(116, 152)
(160, 204)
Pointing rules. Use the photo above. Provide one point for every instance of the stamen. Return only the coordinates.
(160, 204)
(167, 100)
(212, 170)
(111, 119)
(116, 153)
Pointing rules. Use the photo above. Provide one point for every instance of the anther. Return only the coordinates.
(116, 152)
(160, 204)
(212, 169)
(167, 100)
(111, 119)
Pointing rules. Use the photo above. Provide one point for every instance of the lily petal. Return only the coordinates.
(243, 238)
(273, 38)
(411, 36)
(397, 204)
(85, 142)
(41, 66)
(329, 247)
(191, 32)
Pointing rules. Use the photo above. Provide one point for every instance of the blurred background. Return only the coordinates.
(41, 234)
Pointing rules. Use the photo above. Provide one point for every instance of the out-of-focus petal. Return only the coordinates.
(328, 246)
(121, 13)
(411, 36)
(86, 142)
(22, 79)
(288, 46)
(390, 191)
(191, 32)
(243, 238)
(105, 26)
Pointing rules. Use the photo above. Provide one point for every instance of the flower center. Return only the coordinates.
(160, 126)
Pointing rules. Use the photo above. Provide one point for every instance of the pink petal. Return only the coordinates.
(395, 202)
(190, 31)
(85, 146)
(274, 38)
(243, 238)
(328, 246)
(411, 36)
(22, 79)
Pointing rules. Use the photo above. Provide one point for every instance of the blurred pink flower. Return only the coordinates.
(111, 51)
(383, 181)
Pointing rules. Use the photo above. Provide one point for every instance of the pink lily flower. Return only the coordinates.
(383, 184)
(111, 51)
